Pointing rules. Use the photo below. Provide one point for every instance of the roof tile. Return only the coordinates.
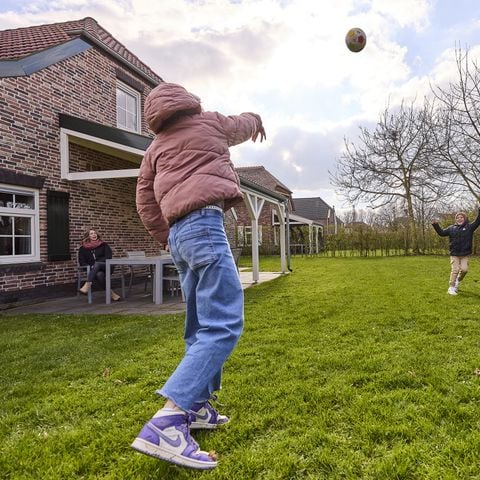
(261, 176)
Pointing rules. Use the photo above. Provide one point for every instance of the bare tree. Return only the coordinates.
(389, 216)
(393, 164)
(365, 216)
(459, 116)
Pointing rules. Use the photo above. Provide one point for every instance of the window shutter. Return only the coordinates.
(58, 226)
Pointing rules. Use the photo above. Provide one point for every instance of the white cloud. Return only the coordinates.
(283, 59)
(405, 12)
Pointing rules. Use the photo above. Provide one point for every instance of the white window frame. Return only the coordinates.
(32, 213)
(240, 236)
(136, 95)
(276, 235)
(244, 233)
(247, 235)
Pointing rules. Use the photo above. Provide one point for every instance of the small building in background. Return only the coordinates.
(316, 209)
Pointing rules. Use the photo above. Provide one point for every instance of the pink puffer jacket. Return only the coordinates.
(187, 166)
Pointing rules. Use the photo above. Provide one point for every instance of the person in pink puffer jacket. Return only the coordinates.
(186, 182)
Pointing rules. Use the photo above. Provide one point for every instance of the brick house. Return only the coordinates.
(268, 223)
(301, 229)
(72, 137)
(72, 98)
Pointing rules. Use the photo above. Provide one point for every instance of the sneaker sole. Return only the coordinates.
(205, 426)
(153, 450)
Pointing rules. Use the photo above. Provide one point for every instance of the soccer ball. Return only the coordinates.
(355, 39)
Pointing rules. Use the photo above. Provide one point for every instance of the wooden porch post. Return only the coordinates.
(280, 208)
(254, 206)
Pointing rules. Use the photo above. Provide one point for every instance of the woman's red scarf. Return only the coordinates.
(92, 244)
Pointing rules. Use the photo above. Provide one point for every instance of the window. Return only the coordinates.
(244, 235)
(240, 236)
(276, 235)
(128, 108)
(19, 225)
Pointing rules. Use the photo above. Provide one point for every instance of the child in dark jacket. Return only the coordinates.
(461, 240)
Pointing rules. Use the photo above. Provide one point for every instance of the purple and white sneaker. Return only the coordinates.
(204, 416)
(167, 436)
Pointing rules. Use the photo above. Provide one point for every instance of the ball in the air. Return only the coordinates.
(355, 39)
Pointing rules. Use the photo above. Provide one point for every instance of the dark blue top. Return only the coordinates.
(461, 236)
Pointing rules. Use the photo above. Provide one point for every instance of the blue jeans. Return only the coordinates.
(214, 305)
(97, 272)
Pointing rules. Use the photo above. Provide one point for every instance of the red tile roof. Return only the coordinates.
(261, 176)
(20, 42)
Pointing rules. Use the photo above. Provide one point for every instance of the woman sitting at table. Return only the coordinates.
(95, 252)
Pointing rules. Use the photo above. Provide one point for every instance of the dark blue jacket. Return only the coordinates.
(461, 236)
(88, 256)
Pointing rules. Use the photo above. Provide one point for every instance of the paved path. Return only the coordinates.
(138, 303)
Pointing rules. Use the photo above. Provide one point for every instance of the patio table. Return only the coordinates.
(157, 262)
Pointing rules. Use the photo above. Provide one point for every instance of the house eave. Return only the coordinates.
(270, 195)
(91, 39)
(126, 145)
(101, 138)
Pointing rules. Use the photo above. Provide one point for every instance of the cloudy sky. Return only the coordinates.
(287, 61)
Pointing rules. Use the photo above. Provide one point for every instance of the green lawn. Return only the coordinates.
(349, 368)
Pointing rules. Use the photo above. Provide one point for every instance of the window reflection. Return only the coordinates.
(5, 198)
(6, 225)
(5, 246)
(22, 246)
(22, 226)
(15, 232)
(24, 201)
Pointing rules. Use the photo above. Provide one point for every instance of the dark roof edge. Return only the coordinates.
(105, 132)
(39, 60)
(255, 186)
(21, 179)
(154, 82)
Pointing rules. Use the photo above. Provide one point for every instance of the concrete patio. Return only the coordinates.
(138, 302)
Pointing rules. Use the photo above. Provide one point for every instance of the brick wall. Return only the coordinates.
(230, 226)
(265, 220)
(83, 86)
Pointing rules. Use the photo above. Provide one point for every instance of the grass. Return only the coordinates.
(349, 368)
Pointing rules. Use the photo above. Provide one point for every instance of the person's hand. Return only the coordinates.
(167, 247)
(434, 220)
(260, 131)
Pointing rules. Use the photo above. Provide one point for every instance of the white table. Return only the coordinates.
(157, 262)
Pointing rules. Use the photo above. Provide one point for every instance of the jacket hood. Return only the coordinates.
(465, 218)
(166, 100)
